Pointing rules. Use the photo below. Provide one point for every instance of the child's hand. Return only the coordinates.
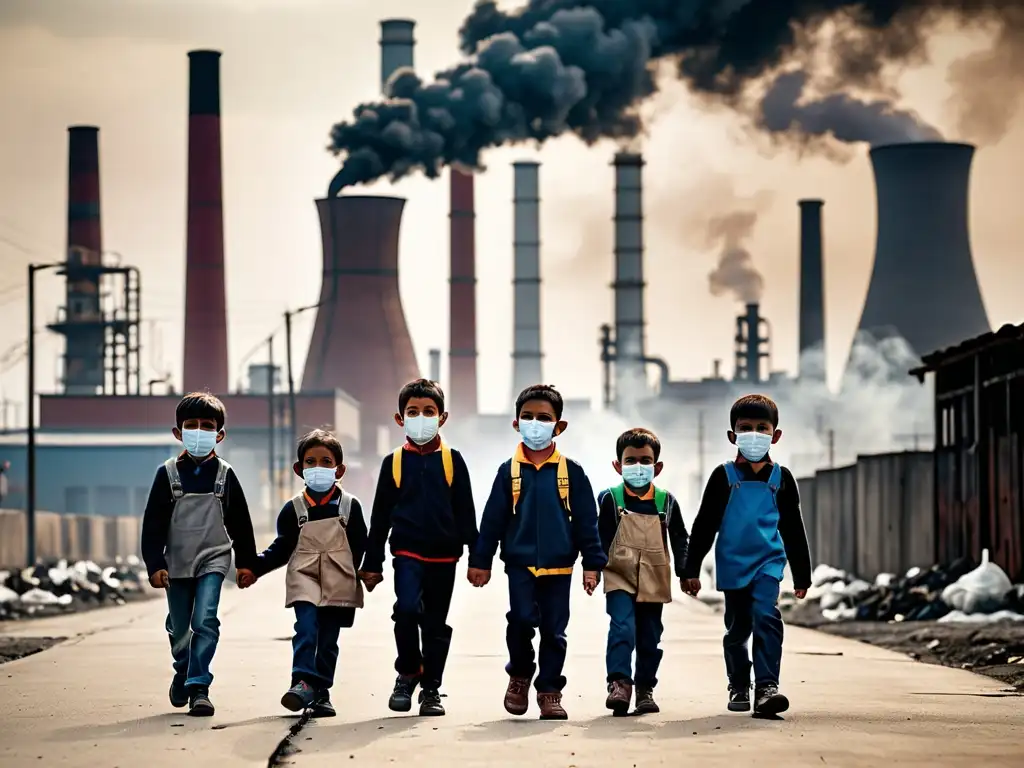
(800, 594)
(159, 580)
(478, 577)
(371, 580)
(690, 586)
(244, 578)
(590, 581)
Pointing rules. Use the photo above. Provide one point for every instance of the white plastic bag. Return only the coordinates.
(983, 590)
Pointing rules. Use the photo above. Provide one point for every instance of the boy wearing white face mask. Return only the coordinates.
(753, 505)
(321, 537)
(195, 516)
(424, 501)
(638, 522)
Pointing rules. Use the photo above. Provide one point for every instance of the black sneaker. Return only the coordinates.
(430, 703)
(322, 707)
(768, 701)
(739, 698)
(299, 696)
(401, 697)
(645, 703)
(178, 694)
(199, 704)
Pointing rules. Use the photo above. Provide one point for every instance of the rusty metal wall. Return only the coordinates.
(835, 509)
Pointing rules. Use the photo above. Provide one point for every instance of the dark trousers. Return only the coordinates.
(423, 595)
(537, 602)
(633, 626)
(753, 610)
(193, 627)
(315, 644)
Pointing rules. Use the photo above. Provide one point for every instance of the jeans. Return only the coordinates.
(423, 595)
(193, 627)
(753, 610)
(537, 602)
(633, 626)
(315, 644)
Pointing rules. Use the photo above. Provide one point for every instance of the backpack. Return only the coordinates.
(446, 461)
(301, 507)
(663, 500)
(563, 484)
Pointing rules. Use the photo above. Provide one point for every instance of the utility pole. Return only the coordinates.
(271, 464)
(831, 448)
(293, 418)
(700, 446)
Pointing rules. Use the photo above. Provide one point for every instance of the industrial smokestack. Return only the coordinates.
(206, 315)
(462, 383)
(923, 285)
(750, 345)
(630, 378)
(397, 47)
(435, 365)
(526, 348)
(83, 350)
(361, 342)
(812, 291)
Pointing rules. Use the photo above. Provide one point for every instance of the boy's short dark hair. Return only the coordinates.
(638, 437)
(760, 407)
(421, 388)
(545, 392)
(200, 405)
(323, 438)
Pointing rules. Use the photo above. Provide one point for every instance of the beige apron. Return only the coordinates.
(320, 570)
(638, 561)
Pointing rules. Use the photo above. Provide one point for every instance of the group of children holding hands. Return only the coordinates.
(542, 514)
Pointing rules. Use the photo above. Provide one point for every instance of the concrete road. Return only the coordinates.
(99, 699)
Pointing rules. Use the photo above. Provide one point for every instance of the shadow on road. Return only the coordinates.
(330, 735)
(172, 722)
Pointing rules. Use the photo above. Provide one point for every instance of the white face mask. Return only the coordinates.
(753, 446)
(319, 479)
(421, 429)
(199, 442)
(537, 435)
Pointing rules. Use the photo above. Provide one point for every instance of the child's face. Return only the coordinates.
(540, 410)
(421, 406)
(204, 425)
(644, 456)
(763, 426)
(319, 456)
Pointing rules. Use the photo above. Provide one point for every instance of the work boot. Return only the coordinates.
(739, 698)
(430, 703)
(299, 697)
(321, 706)
(517, 695)
(768, 700)
(401, 697)
(178, 694)
(620, 694)
(199, 704)
(645, 703)
(550, 704)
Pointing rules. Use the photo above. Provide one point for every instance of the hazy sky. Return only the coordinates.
(291, 68)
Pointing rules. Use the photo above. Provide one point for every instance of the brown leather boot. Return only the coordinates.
(551, 706)
(620, 694)
(517, 695)
(645, 703)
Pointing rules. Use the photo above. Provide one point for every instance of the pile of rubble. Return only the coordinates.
(64, 587)
(962, 591)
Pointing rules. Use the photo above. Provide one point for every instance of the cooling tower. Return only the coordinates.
(923, 285)
(361, 342)
(526, 348)
(812, 291)
(206, 314)
(397, 47)
(462, 384)
(630, 377)
(84, 348)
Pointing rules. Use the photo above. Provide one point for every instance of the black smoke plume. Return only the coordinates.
(582, 67)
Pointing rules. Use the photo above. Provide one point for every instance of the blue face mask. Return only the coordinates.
(753, 446)
(199, 442)
(638, 475)
(537, 435)
(319, 479)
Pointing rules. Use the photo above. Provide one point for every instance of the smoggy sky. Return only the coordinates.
(292, 68)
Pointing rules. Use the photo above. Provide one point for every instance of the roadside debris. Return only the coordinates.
(60, 587)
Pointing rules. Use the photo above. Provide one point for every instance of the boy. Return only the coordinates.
(425, 501)
(321, 537)
(195, 515)
(753, 505)
(637, 522)
(542, 511)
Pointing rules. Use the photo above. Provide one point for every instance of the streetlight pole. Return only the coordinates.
(272, 464)
(292, 409)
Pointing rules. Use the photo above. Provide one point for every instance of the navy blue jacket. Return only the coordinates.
(540, 534)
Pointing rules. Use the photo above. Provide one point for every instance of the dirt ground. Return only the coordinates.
(994, 650)
(12, 648)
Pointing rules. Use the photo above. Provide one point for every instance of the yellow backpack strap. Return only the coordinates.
(396, 466)
(563, 483)
(517, 484)
(446, 460)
